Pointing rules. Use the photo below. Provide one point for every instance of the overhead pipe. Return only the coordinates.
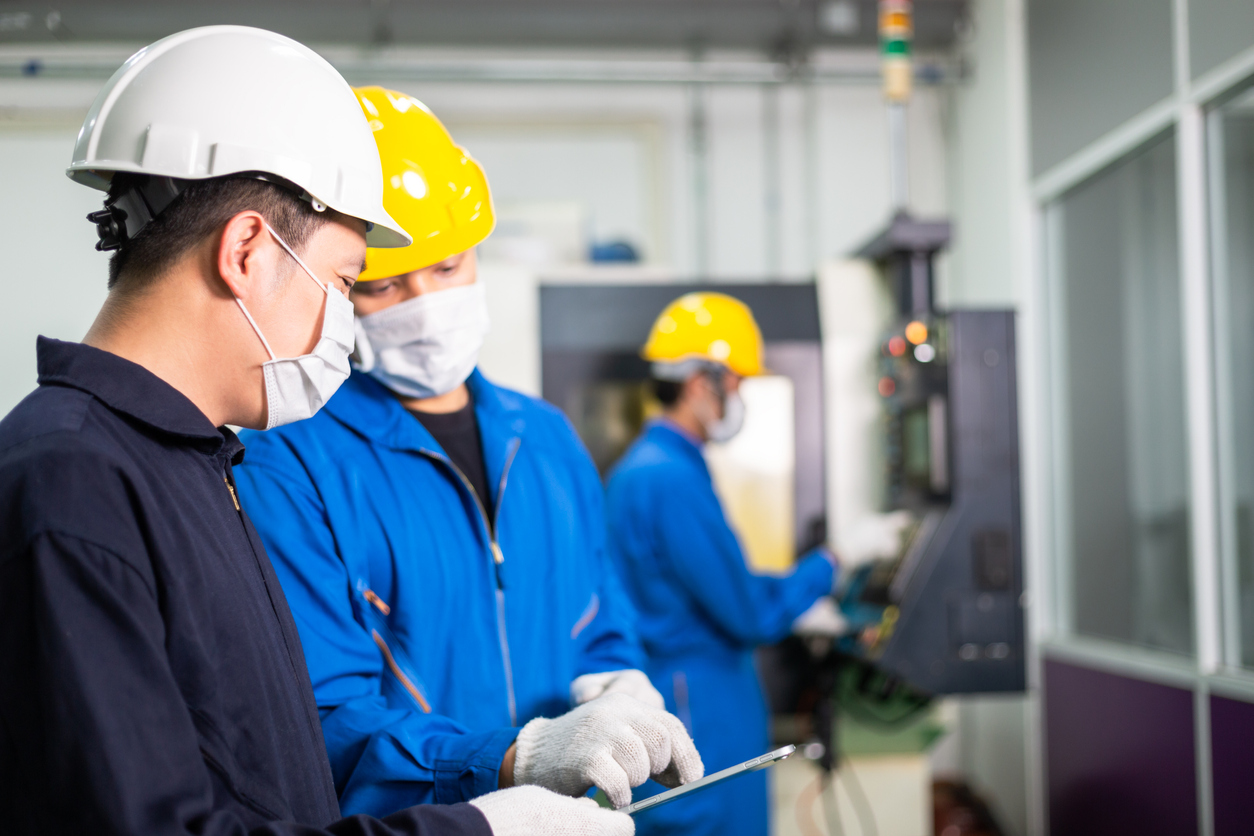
(358, 70)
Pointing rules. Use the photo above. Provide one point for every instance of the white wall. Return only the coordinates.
(625, 151)
(54, 280)
(983, 163)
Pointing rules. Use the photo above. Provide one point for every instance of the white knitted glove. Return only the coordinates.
(532, 811)
(614, 742)
(823, 618)
(633, 683)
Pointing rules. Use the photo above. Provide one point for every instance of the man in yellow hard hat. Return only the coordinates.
(441, 538)
(701, 611)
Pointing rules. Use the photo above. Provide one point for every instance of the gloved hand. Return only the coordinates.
(532, 811)
(633, 683)
(614, 742)
(822, 619)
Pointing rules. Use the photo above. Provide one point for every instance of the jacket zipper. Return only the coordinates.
(377, 632)
(498, 558)
(405, 681)
(231, 488)
(300, 679)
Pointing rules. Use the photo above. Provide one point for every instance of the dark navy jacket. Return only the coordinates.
(151, 678)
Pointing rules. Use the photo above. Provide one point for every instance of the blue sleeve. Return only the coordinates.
(612, 643)
(697, 542)
(386, 753)
(609, 641)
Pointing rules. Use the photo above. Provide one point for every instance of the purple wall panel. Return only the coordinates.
(1232, 756)
(1119, 755)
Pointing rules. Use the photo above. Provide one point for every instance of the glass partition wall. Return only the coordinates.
(1125, 512)
(1118, 278)
(1142, 385)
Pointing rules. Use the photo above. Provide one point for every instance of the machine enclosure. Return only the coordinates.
(958, 590)
(956, 596)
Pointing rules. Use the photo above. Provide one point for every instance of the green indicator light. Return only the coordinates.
(896, 47)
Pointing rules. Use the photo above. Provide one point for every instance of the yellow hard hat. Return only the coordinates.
(431, 186)
(707, 326)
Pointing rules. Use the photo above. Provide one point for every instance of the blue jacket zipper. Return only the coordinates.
(498, 558)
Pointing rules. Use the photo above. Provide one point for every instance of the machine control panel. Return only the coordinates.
(945, 614)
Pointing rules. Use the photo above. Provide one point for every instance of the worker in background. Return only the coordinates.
(441, 538)
(702, 612)
(151, 677)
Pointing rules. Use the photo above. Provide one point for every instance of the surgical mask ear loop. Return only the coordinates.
(279, 239)
(253, 323)
(297, 259)
(715, 378)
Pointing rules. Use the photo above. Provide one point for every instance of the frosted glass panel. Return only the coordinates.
(1127, 457)
(1092, 64)
(1218, 31)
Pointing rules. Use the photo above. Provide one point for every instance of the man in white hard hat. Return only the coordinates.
(151, 677)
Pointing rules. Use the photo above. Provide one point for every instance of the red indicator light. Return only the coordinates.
(887, 386)
(896, 346)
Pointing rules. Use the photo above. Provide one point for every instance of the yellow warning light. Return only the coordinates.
(916, 332)
(896, 20)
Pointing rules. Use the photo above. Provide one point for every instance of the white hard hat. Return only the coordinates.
(223, 100)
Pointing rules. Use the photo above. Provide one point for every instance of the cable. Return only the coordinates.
(805, 807)
(861, 804)
(831, 806)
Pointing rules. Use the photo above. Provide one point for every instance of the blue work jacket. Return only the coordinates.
(701, 613)
(432, 632)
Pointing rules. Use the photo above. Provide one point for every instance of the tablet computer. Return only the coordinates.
(769, 759)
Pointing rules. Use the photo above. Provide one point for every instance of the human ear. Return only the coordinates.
(694, 388)
(240, 255)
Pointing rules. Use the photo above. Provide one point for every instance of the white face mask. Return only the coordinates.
(297, 387)
(425, 346)
(726, 428)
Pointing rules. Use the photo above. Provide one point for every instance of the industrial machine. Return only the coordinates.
(946, 613)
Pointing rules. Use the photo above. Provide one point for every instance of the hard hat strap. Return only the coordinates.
(133, 208)
(145, 197)
(680, 370)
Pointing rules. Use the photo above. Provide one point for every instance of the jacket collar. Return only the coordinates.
(369, 408)
(130, 389)
(670, 435)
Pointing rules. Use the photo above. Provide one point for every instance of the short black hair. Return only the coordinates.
(666, 391)
(199, 211)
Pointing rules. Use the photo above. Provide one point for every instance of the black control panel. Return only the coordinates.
(946, 614)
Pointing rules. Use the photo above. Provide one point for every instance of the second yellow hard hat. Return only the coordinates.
(431, 186)
(707, 326)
